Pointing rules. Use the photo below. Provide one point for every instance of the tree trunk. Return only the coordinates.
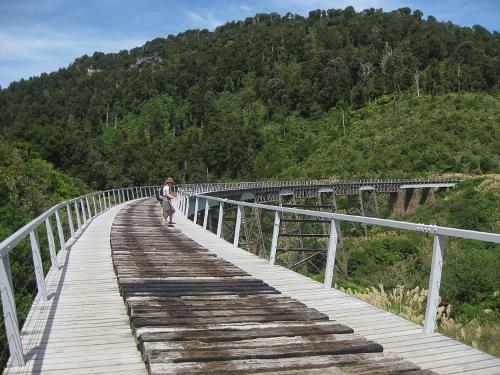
(417, 81)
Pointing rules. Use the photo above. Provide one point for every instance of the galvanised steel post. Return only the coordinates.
(195, 217)
(88, 208)
(434, 284)
(128, 194)
(10, 314)
(220, 219)
(78, 220)
(70, 221)
(332, 251)
(109, 199)
(187, 207)
(95, 206)
(114, 196)
(100, 203)
(52, 244)
(205, 218)
(274, 241)
(37, 263)
(237, 226)
(84, 216)
(60, 232)
(104, 201)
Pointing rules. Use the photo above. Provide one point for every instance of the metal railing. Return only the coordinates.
(440, 234)
(81, 210)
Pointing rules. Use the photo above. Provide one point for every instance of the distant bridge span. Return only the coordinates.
(195, 303)
(269, 191)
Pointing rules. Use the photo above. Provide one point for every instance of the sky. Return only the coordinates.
(39, 36)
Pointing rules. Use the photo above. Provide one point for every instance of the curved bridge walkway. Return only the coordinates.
(83, 328)
(196, 304)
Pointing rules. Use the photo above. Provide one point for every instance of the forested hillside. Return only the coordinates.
(248, 100)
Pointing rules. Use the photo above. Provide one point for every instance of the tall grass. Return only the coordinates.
(411, 305)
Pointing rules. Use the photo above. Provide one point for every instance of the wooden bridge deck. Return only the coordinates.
(211, 307)
(397, 335)
(194, 312)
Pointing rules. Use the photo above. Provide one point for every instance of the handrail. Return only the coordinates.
(83, 212)
(440, 233)
(417, 227)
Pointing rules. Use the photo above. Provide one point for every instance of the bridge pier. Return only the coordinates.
(407, 200)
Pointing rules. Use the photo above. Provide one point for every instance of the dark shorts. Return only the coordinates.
(167, 208)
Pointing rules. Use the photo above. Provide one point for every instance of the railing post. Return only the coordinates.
(205, 217)
(10, 314)
(332, 250)
(195, 217)
(78, 220)
(70, 221)
(88, 208)
(236, 239)
(84, 215)
(52, 244)
(274, 241)
(60, 232)
(220, 219)
(104, 201)
(109, 199)
(128, 194)
(95, 206)
(434, 284)
(114, 196)
(187, 206)
(37, 263)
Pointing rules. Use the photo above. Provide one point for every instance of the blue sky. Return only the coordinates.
(43, 35)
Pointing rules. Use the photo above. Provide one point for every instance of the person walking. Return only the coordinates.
(166, 203)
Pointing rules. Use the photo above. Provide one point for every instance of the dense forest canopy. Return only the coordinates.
(207, 105)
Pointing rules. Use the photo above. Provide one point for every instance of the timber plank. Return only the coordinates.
(192, 311)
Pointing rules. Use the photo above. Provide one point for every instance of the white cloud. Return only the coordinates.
(203, 19)
(29, 52)
(42, 44)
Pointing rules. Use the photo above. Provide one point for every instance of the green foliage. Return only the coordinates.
(28, 187)
(409, 137)
(388, 258)
(271, 96)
